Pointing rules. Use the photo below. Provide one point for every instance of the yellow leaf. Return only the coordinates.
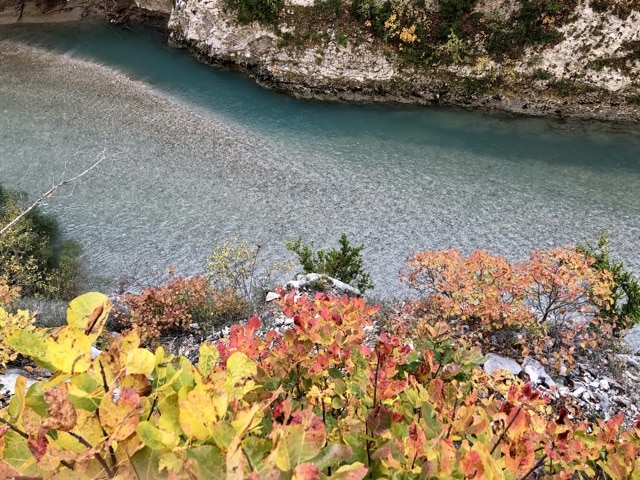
(239, 368)
(89, 313)
(120, 418)
(140, 360)
(198, 413)
(70, 351)
(208, 358)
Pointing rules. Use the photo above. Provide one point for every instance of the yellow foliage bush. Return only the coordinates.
(22, 320)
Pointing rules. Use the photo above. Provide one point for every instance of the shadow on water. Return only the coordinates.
(142, 54)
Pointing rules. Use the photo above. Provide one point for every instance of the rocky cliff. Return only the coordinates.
(587, 65)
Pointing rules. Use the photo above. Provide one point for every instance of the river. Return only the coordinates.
(196, 156)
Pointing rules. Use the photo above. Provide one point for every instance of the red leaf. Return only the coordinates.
(378, 420)
(472, 464)
(38, 445)
(306, 471)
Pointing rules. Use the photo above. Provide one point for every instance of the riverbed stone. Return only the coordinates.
(498, 362)
(537, 373)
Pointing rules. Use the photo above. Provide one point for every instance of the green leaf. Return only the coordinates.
(185, 377)
(208, 359)
(17, 454)
(209, 461)
(31, 345)
(223, 434)
(147, 465)
(171, 462)
(239, 368)
(85, 392)
(257, 449)
(299, 441)
(150, 435)
(35, 399)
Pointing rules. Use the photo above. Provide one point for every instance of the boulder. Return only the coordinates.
(498, 362)
(632, 340)
(537, 373)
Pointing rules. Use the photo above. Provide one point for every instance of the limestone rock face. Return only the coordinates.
(632, 340)
(593, 48)
(158, 6)
(215, 37)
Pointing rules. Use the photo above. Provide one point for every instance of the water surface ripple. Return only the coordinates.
(197, 156)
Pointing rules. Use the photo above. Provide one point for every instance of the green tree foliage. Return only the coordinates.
(344, 264)
(263, 11)
(625, 311)
(33, 254)
(450, 14)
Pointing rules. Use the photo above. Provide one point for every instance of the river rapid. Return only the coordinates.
(195, 157)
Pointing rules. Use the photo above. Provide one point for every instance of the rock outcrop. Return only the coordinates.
(593, 52)
(599, 389)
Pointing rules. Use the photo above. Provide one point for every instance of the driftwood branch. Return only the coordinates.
(50, 192)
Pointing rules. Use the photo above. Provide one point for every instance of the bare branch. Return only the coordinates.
(50, 192)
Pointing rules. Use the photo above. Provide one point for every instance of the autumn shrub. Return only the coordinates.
(11, 321)
(345, 264)
(172, 308)
(316, 401)
(8, 293)
(374, 13)
(235, 266)
(33, 254)
(239, 268)
(551, 304)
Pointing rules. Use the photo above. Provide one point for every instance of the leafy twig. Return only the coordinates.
(101, 460)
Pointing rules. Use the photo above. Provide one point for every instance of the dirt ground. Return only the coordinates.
(49, 11)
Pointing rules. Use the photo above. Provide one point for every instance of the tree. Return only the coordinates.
(344, 264)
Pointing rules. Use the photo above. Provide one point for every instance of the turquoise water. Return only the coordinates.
(217, 157)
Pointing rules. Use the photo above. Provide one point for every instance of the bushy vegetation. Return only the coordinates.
(554, 305)
(33, 254)
(321, 400)
(233, 286)
(11, 321)
(237, 267)
(172, 309)
(345, 264)
(451, 31)
(625, 303)
(326, 397)
(262, 11)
